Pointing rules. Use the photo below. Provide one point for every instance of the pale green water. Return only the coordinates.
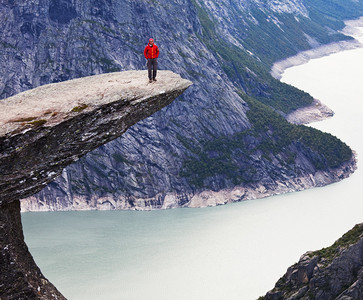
(235, 251)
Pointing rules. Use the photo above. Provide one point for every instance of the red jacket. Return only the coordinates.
(151, 52)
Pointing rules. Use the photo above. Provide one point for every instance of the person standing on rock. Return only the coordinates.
(151, 53)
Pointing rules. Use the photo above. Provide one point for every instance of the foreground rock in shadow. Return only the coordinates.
(335, 272)
(45, 129)
(20, 277)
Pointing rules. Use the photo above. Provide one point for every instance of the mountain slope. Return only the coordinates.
(226, 48)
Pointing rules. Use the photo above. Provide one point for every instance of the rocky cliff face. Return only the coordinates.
(20, 277)
(45, 129)
(219, 45)
(335, 272)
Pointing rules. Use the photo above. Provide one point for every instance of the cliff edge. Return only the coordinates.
(45, 129)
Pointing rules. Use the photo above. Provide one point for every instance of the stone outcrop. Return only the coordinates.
(45, 129)
(317, 111)
(335, 272)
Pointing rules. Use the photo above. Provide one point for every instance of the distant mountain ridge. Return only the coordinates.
(226, 49)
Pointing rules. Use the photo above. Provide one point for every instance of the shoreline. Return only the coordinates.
(318, 111)
(206, 198)
(315, 112)
(303, 57)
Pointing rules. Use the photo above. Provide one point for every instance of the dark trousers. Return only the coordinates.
(152, 67)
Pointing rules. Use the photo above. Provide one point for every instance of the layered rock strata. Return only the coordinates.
(45, 129)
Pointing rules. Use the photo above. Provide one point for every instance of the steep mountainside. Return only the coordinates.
(213, 137)
(335, 272)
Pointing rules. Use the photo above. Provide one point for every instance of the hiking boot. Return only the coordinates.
(150, 81)
(154, 79)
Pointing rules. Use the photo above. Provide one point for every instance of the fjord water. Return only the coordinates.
(236, 251)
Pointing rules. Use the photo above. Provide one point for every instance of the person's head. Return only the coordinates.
(151, 42)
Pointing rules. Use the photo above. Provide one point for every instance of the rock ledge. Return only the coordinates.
(45, 129)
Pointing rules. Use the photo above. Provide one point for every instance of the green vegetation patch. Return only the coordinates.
(248, 71)
(217, 157)
(232, 159)
(79, 108)
(332, 13)
(264, 119)
(273, 43)
(120, 158)
(6, 45)
(38, 123)
(107, 64)
(348, 239)
(28, 119)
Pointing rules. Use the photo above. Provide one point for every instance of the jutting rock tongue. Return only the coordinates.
(45, 129)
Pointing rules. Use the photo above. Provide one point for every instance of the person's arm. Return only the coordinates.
(157, 51)
(145, 52)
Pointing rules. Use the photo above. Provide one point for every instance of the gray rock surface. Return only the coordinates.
(45, 129)
(20, 277)
(317, 111)
(330, 273)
